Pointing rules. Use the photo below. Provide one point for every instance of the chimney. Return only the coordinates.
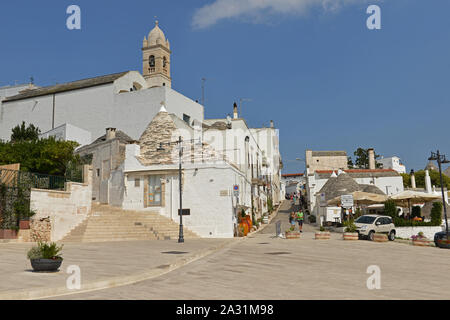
(371, 153)
(427, 182)
(272, 124)
(413, 179)
(110, 133)
(235, 111)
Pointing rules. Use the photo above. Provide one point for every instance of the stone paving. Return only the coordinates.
(97, 261)
(265, 267)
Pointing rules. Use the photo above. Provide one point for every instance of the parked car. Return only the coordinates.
(438, 236)
(370, 224)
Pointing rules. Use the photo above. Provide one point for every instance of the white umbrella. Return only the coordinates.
(408, 198)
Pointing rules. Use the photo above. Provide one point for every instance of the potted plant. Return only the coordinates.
(420, 240)
(380, 237)
(350, 231)
(291, 233)
(45, 257)
(322, 234)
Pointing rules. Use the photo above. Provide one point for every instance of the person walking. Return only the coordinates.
(292, 220)
(300, 218)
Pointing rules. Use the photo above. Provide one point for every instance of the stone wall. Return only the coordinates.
(407, 232)
(63, 210)
(40, 230)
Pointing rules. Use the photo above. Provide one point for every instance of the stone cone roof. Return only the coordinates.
(431, 166)
(370, 188)
(342, 184)
(163, 129)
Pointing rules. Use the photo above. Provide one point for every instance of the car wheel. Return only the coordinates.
(370, 235)
(391, 236)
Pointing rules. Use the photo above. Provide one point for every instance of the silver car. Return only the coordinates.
(370, 224)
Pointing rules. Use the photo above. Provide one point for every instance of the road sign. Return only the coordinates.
(186, 212)
(236, 190)
(347, 201)
(323, 200)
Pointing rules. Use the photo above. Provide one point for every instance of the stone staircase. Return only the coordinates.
(107, 223)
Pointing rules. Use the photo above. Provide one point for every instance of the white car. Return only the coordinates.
(370, 224)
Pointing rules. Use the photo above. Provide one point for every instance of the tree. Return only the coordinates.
(23, 133)
(436, 213)
(390, 208)
(362, 159)
(406, 180)
(350, 163)
(46, 156)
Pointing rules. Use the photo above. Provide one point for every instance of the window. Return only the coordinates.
(186, 118)
(98, 172)
(164, 62)
(137, 182)
(151, 61)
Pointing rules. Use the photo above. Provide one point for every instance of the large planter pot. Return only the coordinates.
(443, 243)
(24, 224)
(422, 242)
(8, 234)
(322, 235)
(380, 237)
(292, 235)
(48, 265)
(350, 236)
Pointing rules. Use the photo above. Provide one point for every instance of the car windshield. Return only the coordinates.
(365, 219)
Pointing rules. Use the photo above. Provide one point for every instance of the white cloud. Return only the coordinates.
(255, 9)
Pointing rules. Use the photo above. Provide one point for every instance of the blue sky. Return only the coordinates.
(312, 66)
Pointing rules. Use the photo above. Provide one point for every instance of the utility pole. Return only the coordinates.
(203, 91)
(180, 153)
(441, 159)
(240, 105)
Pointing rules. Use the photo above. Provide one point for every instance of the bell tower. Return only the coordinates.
(156, 59)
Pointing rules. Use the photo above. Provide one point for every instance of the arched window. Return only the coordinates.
(164, 62)
(151, 62)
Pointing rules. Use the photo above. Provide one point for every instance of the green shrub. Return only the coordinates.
(270, 205)
(45, 251)
(312, 219)
(349, 226)
(399, 222)
(390, 208)
(322, 228)
(436, 213)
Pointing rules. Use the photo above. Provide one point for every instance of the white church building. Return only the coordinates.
(102, 102)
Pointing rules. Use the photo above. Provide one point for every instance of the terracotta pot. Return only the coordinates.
(422, 242)
(380, 237)
(8, 234)
(292, 235)
(244, 225)
(249, 222)
(322, 235)
(24, 224)
(350, 236)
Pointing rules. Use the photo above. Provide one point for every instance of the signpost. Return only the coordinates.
(347, 201)
(323, 200)
(236, 190)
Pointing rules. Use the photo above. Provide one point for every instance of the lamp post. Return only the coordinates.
(179, 143)
(440, 158)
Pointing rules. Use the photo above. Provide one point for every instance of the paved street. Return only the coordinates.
(264, 267)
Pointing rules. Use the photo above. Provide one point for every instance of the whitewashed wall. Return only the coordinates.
(96, 108)
(66, 209)
(407, 232)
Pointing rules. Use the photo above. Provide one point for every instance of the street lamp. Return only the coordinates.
(179, 143)
(440, 158)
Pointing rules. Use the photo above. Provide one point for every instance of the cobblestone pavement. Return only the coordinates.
(265, 267)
